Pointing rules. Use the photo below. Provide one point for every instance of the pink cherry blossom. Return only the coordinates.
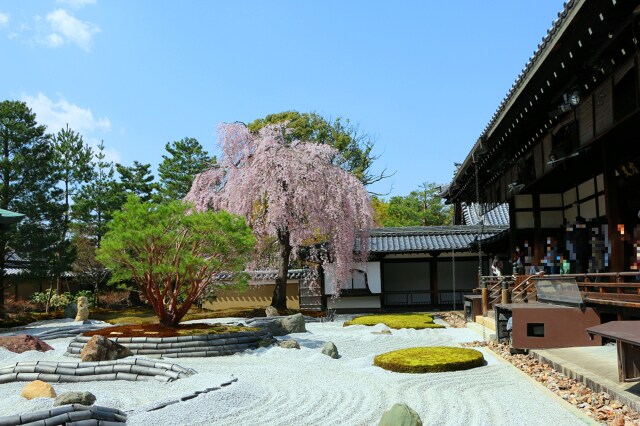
(289, 193)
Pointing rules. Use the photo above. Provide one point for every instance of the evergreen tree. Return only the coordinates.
(72, 160)
(96, 201)
(186, 158)
(136, 180)
(354, 149)
(27, 182)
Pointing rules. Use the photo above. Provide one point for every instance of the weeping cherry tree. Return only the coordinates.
(291, 193)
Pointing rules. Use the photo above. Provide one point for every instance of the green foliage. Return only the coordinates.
(72, 160)
(429, 359)
(28, 185)
(172, 253)
(417, 321)
(60, 301)
(136, 180)
(177, 170)
(421, 207)
(355, 148)
(94, 204)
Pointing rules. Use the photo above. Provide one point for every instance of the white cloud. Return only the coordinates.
(54, 40)
(70, 29)
(77, 3)
(4, 19)
(56, 115)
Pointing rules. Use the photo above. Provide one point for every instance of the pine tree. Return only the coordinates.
(186, 158)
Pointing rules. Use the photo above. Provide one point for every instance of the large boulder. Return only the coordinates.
(22, 343)
(83, 398)
(99, 348)
(329, 348)
(293, 323)
(271, 312)
(71, 310)
(400, 415)
(38, 389)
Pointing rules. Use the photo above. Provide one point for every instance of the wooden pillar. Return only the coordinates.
(539, 242)
(485, 297)
(505, 291)
(616, 259)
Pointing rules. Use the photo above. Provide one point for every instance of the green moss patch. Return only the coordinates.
(434, 359)
(417, 321)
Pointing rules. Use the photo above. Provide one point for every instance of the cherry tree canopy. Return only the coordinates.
(290, 192)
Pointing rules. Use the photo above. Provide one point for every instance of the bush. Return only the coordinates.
(429, 359)
(60, 301)
(417, 321)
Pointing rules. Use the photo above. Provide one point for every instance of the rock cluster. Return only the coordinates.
(453, 319)
(597, 405)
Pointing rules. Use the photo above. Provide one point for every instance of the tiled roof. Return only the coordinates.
(268, 275)
(498, 215)
(430, 238)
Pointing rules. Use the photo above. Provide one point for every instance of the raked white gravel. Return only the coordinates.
(278, 386)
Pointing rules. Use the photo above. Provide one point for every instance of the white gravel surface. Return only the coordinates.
(277, 386)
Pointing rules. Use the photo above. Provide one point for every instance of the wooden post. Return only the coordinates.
(505, 291)
(485, 297)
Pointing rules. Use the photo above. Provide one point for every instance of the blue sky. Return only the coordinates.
(422, 77)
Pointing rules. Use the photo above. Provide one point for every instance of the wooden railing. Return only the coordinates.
(604, 288)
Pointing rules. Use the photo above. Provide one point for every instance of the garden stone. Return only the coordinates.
(22, 343)
(83, 398)
(271, 312)
(329, 348)
(38, 389)
(71, 310)
(293, 324)
(274, 326)
(83, 309)
(99, 348)
(400, 415)
(289, 344)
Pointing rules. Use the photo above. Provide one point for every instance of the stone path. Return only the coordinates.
(133, 369)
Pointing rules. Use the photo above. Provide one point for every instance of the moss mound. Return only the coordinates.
(434, 359)
(417, 321)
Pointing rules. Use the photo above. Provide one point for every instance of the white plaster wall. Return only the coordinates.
(373, 276)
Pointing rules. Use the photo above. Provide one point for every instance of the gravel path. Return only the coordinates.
(277, 386)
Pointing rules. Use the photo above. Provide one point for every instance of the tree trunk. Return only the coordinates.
(279, 299)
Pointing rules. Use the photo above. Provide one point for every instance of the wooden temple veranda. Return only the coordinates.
(563, 151)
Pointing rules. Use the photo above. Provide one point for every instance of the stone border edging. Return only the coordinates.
(133, 369)
(74, 414)
(200, 345)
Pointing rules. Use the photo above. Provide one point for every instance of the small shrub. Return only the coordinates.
(429, 359)
(60, 301)
(416, 321)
